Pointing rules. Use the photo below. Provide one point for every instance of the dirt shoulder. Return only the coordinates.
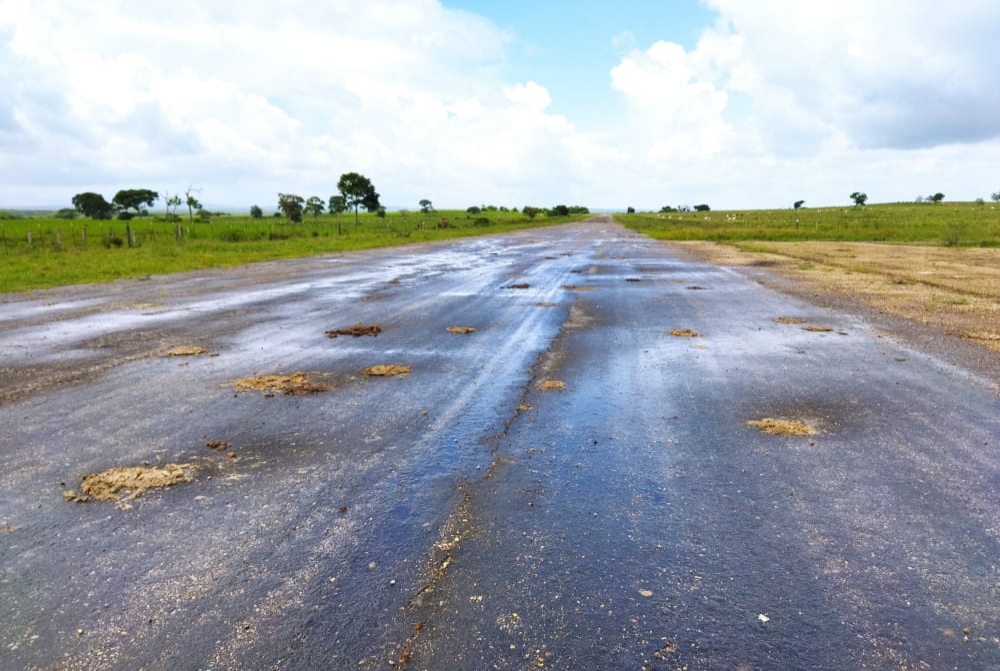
(944, 301)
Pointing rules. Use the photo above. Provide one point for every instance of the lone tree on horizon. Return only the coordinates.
(859, 198)
(358, 191)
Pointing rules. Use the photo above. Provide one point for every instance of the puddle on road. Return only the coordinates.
(128, 482)
(296, 384)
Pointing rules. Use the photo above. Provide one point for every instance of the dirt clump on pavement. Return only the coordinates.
(388, 370)
(683, 333)
(577, 287)
(633, 279)
(357, 331)
(546, 304)
(128, 482)
(461, 330)
(790, 320)
(296, 384)
(816, 328)
(783, 427)
(549, 385)
(186, 350)
(519, 285)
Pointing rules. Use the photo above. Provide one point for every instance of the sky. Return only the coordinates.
(739, 104)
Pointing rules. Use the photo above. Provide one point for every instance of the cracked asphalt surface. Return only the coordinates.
(465, 517)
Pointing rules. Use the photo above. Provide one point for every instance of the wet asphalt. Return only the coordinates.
(465, 517)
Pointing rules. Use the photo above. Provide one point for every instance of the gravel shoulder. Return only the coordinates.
(943, 301)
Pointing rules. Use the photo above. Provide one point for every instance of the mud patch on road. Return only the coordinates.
(552, 385)
(186, 350)
(790, 320)
(357, 331)
(633, 279)
(296, 384)
(817, 328)
(461, 330)
(388, 370)
(990, 340)
(519, 285)
(128, 482)
(683, 333)
(578, 287)
(783, 427)
(545, 304)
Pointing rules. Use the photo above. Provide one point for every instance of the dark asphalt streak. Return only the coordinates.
(464, 518)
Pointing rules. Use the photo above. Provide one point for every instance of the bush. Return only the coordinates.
(481, 221)
(475, 209)
(124, 216)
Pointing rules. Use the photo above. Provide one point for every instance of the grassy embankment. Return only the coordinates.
(948, 224)
(99, 251)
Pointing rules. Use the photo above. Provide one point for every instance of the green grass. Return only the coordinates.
(97, 251)
(951, 224)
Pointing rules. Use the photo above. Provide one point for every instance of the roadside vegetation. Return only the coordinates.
(929, 222)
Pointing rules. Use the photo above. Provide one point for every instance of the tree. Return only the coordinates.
(426, 206)
(66, 213)
(702, 208)
(859, 198)
(92, 205)
(475, 209)
(630, 210)
(937, 198)
(559, 211)
(995, 197)
(314, 206)
(530, 212)
(256, 212)
(134, 199)
(358, 191)
(192, 202)
(798, 204)
(338, 206)
(666, 208)
(291, 205)
(172, 202)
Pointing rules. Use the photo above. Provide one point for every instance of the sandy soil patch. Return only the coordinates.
(128, 482)
(545, 304)
(683, 333)
(550, 385)
(817, 328)
(357, 331)
(186, 350)
(461, 330)
(388, 370)
(296, 384)
(790, 320)
(783, 427)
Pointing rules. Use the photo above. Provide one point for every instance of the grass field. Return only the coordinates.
(949, 224)
(39, 253)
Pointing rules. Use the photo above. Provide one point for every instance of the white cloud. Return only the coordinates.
(778, 100)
